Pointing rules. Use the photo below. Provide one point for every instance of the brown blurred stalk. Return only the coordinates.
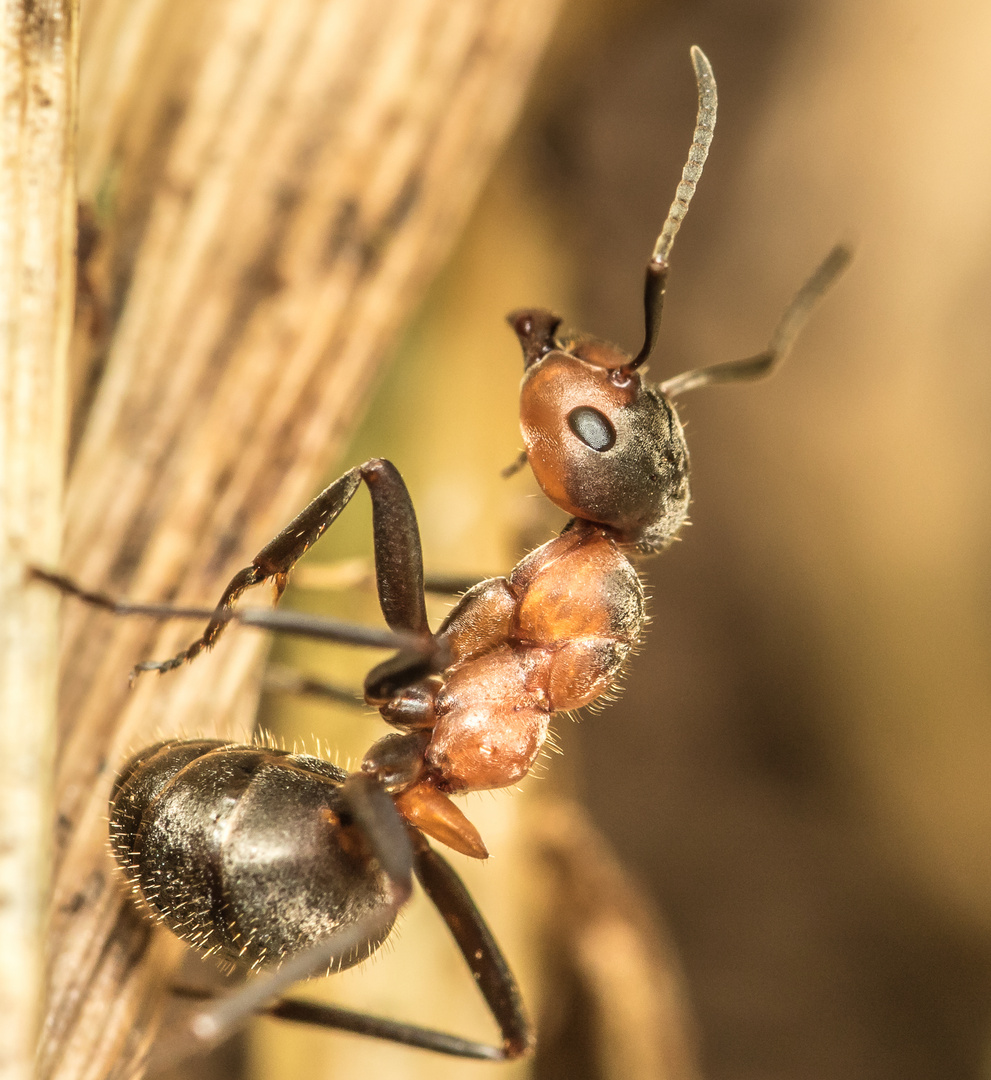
(37, 218)
(617, 1007)
(267, 189)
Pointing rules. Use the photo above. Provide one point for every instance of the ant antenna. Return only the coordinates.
(657, 268)
(756, 367)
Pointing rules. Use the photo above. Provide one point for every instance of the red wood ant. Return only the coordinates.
(266, 856)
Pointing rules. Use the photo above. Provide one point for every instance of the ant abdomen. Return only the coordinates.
(244, 851)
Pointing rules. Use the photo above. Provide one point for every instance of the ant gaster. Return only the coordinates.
(271, 857)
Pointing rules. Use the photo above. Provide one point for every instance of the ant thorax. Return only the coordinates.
(575, 611)
(551, 637)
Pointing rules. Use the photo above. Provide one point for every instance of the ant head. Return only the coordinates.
(603, 445)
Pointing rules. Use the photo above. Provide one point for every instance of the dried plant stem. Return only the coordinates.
(37, 236)
(268, 189)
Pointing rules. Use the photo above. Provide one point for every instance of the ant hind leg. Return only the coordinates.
(484, 959)
(401, 852)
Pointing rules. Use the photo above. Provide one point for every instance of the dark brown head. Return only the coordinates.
(603, 445)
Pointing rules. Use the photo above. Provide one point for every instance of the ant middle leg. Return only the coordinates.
(280, 679)
(273, 562)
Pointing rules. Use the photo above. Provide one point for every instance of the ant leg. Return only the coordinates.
(398, 553)
(398, 568)
(399, 578)
(287, 622)
(284, 680)
(398, 565)
(483, 956)
(400, 851)
(399, 581)
(398, 556)
(479, 948)
(519, 463)
(274, 561)
(358, 573)
(450, 584)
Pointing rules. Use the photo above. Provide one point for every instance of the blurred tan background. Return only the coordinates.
(798, 767)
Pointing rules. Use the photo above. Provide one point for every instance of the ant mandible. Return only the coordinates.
(271, 857)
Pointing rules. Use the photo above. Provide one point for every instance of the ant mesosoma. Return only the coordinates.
(266, 856)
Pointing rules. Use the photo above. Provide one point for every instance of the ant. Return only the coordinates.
(268, 857)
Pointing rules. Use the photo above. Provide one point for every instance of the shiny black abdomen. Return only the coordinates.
(243, 850)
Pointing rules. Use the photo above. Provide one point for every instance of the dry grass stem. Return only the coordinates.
(267, 189)
(37, 217)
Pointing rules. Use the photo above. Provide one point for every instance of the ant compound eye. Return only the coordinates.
(592, 427)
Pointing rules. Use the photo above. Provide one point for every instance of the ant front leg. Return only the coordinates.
(398, 563)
